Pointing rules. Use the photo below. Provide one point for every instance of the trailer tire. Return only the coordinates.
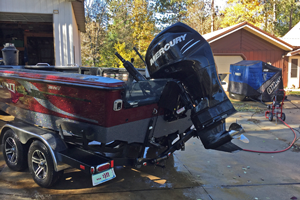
(270, 116)
(283, 117)
(14, 151)
(40, 164)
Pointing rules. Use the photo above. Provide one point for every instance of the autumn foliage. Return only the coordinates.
(119, 25)
(239, 11)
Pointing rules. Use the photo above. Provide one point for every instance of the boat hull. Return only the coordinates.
(81, 108)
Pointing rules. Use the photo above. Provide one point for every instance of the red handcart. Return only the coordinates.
(275, 109)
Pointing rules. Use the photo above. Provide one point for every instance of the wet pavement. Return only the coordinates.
(195, 173)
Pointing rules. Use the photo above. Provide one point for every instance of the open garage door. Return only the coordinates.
(32, 35)
(223, 63)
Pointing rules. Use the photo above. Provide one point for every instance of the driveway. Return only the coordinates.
(195, 173)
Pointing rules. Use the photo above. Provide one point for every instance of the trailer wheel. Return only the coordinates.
(283, 117)
(13, 151)
(270, 116)
(41, 165)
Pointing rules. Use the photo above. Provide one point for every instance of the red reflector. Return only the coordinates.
(112, 163)
(103, 167)
(82, 167)
(92, 170)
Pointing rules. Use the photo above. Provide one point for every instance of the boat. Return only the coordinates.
(139, 121)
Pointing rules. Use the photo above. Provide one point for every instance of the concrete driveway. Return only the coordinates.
(195, 173)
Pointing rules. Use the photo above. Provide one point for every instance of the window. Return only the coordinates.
(144, 92)
(294, 68)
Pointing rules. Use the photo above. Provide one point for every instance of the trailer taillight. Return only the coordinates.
(103, 167)
(82, 167)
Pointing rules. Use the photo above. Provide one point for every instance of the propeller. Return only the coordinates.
(236, 132)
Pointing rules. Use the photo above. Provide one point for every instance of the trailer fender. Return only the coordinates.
(51, 139)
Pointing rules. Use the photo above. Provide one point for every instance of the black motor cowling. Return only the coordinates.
(181, 53)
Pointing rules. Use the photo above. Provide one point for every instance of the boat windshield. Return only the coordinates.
(144, 92)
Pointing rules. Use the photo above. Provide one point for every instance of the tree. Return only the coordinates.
(269, 13)
(274, 16)
(131, 24)
(143, 26)
(288, 15)
(197, 15)
(118, 32)
(92, 40)
(212, 14)
(169, 12)
(280, 16)
(243, 10)
(201, 16)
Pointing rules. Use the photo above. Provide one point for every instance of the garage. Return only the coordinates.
(245, 41)
(223, 64)
(32, 35)
(44, 31)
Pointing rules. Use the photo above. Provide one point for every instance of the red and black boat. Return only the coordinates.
(138, 122)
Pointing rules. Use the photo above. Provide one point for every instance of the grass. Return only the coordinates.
(256, 107)
(293, 93)
(248, 106)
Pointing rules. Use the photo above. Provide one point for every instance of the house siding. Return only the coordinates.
(76, 40)
(253, 47)
(29, 6)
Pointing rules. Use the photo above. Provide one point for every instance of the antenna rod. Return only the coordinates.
(137, 52)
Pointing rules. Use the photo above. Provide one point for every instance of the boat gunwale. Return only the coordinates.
(81, 83)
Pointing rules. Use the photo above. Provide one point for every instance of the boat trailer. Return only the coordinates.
(180, 98)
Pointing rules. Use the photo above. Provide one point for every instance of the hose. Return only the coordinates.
(295, 138)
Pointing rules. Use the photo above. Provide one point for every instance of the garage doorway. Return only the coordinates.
(223, 63)
(32, 35)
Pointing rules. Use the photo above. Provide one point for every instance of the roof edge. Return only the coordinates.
(260, 31)
(228, 31)
(78, 9)
(293, 53)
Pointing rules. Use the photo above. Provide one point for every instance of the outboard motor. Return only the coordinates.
(183, 55)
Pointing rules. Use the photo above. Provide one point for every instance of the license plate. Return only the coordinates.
(103, 176)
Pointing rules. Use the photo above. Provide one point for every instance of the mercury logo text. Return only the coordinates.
(167, 47)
